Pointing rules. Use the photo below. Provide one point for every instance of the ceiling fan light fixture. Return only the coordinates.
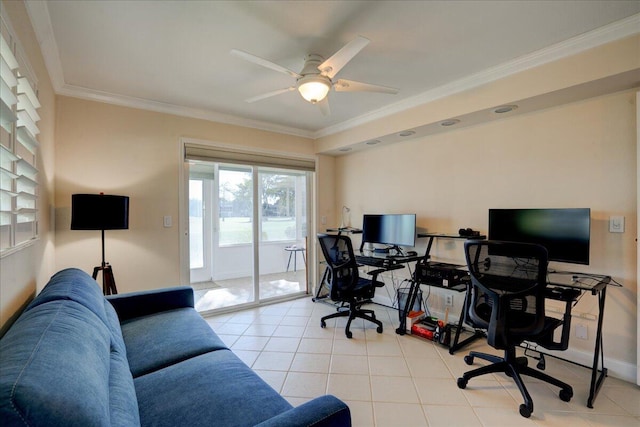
(314, 88)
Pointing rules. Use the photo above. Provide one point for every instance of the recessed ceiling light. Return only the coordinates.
(345, 149)
(504, 109)
(373, 142)
(407, 133)
(449, 122)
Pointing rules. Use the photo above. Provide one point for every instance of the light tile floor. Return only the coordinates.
(392, 380)
(227, 293)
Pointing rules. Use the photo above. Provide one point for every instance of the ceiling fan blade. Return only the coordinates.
(334, 64)
(263, 62)
(353, 86)
(324, 106)
(269, 94)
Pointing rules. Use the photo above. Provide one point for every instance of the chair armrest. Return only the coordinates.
(136, 304)
(374, 277)
(376, 271)
(324, 411)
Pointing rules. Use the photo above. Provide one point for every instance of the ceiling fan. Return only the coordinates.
(317, 76)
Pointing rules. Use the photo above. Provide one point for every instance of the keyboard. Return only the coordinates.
(373, 261)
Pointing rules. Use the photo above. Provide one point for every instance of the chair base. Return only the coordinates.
(513, 367)
(354, 312)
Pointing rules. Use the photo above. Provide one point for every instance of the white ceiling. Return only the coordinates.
(174, 56)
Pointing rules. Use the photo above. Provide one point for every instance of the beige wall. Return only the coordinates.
(577, 155)
(23, 272)
(118, 150)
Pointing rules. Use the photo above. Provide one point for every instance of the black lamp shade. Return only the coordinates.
(99, 212)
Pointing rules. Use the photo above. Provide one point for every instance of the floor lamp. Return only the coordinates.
(100, 212)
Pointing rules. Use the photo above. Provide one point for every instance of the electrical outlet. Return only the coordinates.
(582, 331)
(448, 300)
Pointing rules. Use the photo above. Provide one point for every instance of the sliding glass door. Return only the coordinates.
(247, 233)
(282, 230)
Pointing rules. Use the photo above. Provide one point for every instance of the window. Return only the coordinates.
(235, 196)
(18, 146)
(283, 203)
(196, 223)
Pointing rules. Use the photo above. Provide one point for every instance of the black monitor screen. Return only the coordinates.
(390, 229)
(564, 232)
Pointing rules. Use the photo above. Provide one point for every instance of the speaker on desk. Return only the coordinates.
(468, 232)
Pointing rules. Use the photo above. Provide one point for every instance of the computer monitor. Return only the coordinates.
(389, 229)
(564, 232)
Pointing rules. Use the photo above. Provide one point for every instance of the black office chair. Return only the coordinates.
(345, 283)
(506, 297)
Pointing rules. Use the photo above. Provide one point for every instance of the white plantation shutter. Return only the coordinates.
(18, 146)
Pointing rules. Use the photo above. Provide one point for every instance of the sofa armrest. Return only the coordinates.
(324, 411)
(135, 304)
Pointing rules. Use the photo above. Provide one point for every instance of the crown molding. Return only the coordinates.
(162, 107)
(41, 21)
(608, 33)
(38, 12)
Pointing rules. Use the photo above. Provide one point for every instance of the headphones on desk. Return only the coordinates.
(468, 232)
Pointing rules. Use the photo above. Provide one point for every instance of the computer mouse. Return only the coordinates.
(412, 253)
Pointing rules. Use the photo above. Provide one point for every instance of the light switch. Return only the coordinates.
(616, 224)
(167, 221)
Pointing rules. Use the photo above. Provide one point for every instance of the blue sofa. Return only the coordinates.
(76, 358)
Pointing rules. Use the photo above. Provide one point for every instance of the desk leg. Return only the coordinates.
(411, 299)
(597, 375)
(325, 277)
(455, 346)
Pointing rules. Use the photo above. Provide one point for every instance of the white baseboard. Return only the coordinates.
(615, 368)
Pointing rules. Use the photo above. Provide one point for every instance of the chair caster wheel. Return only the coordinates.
(348, 334)
(468, 360)
(525, 411)
(566, 395)
(323, 324)
(462, 383)
(379, 329)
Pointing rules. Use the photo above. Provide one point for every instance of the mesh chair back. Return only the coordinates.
(338, 252)
(507, 290)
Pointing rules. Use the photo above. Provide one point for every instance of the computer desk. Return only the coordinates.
(371, 259)
(562, 286)
(368, 258)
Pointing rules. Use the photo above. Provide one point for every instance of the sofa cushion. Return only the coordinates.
(161, 339)
(215, 388)
(61, 366)
(74, 285)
